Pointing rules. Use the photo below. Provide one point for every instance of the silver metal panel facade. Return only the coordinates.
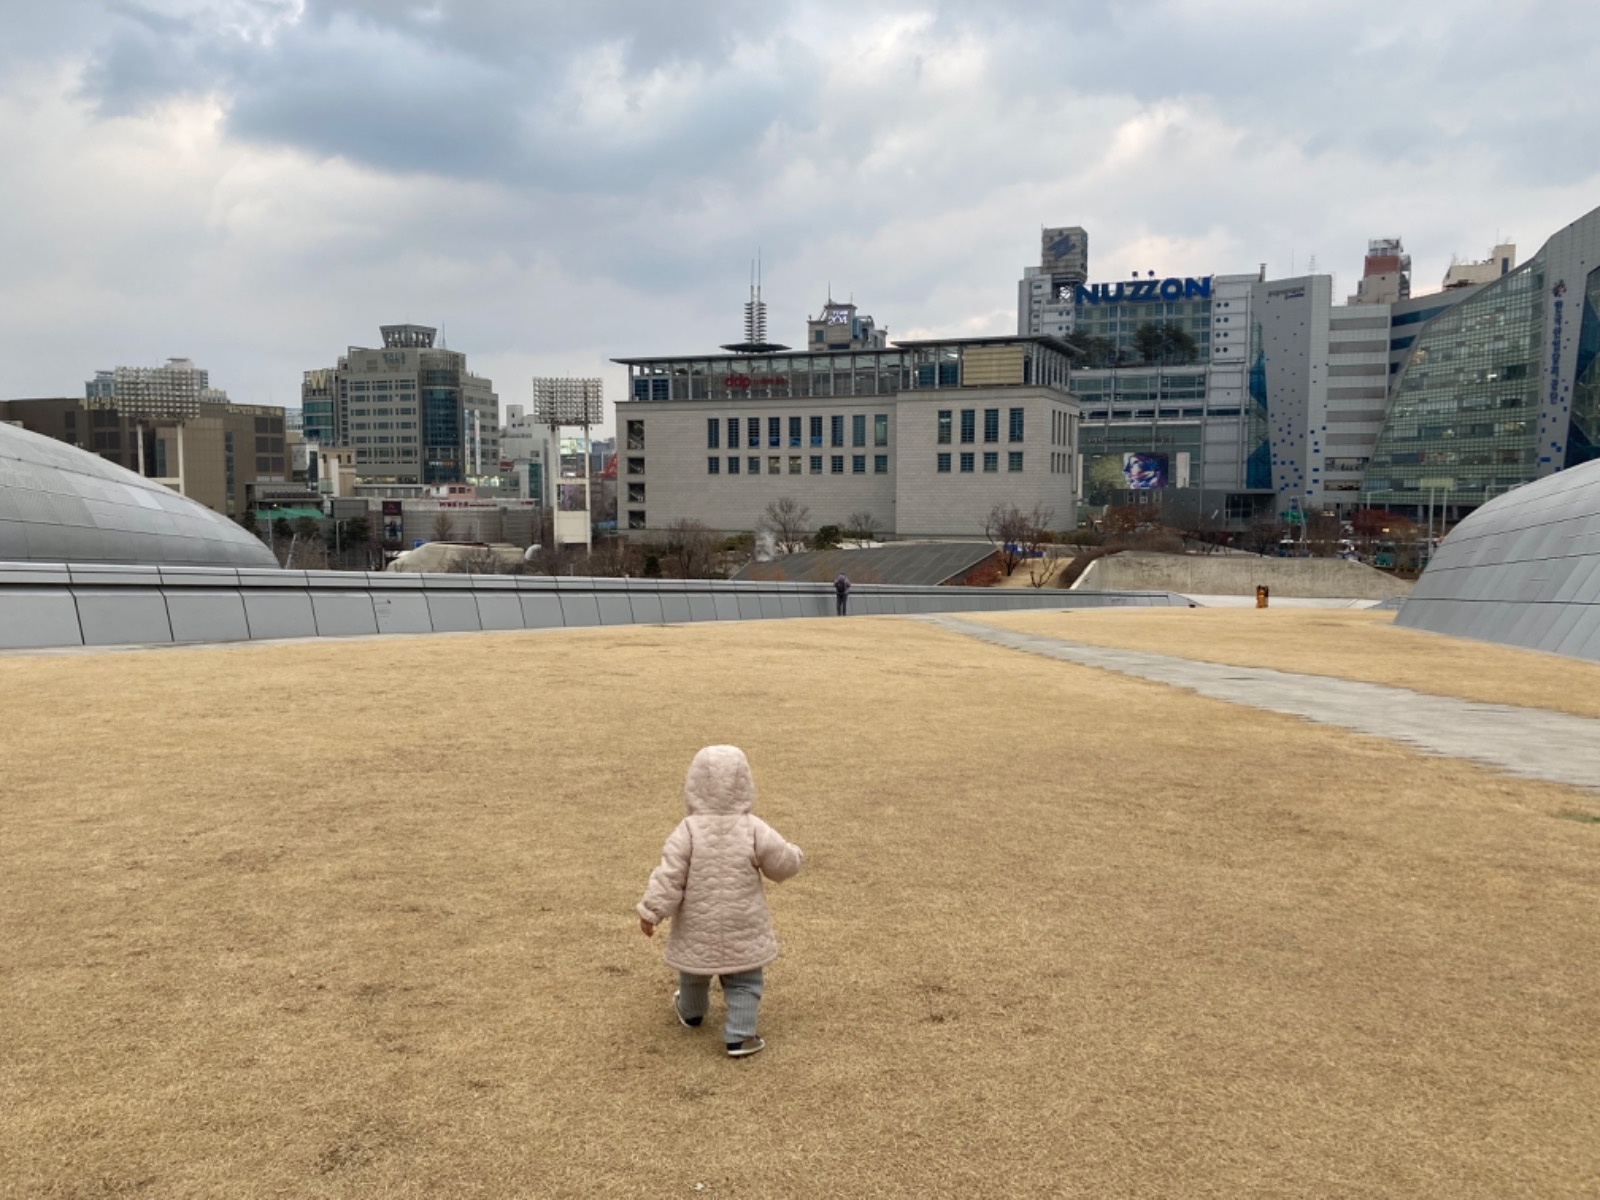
(104, 604)
(62, 504)
(1524, 570)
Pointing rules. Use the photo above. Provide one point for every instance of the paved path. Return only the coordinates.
(1534, 743)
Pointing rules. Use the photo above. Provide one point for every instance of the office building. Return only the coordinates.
(525, 453)
(218, 454)
(411, 411)
(1500, 388)
(927, 437)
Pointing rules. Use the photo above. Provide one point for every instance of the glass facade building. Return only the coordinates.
(1461, 421)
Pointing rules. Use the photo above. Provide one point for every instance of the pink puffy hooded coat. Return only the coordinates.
(709, 880)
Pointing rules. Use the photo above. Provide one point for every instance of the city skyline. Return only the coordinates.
(175, 191)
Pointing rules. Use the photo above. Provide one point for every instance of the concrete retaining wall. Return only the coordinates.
(45, 605)
(1238, 575)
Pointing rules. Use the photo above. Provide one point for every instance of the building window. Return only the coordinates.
(968, 426)
(816, 464)
(880, 464)
(774, 465)
(733, 433)
(1015, 461)
(713, 465)
(837, 429)
(858, 464)
(733, 464)
(991, 424)
(635, 435)
(880, 429)
(713, 433)
(794, 464)
(816, 431)
(636, 466)
(753, 430)
(991, 461)
(635, 518)
(836, 464)
(636, 493)
(858, 430)
(944, 462)
(966, 462)
(754, 465)
(794, 433)
(1016, 425)
(944, 427)
(774, 432)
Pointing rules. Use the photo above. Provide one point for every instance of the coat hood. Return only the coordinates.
(719, 782)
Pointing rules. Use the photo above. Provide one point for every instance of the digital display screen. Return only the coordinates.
(1144, 471)
(838, 316)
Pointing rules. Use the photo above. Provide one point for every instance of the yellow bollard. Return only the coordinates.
(1261, 595)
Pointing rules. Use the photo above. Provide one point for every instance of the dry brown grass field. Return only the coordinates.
(355, 919)
(1349, 643)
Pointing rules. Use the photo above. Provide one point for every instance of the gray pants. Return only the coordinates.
(741, 991)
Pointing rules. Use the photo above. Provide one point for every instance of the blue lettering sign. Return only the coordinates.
(1142, 291)
(1557, 292)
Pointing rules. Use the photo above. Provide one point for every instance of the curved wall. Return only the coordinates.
(1524, 569)
(65, 505)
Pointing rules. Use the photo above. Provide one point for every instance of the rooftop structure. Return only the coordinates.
(1466, 274)
(1385, 274)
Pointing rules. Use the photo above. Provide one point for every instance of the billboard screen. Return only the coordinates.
(1143, 470)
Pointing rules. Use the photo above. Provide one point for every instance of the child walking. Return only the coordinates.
(709, 884)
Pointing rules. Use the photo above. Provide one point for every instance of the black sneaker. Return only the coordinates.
(751, 1045)
(686, 1022)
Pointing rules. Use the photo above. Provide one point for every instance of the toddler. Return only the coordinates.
(709, 883)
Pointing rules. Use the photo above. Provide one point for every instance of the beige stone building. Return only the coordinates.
(926, 436)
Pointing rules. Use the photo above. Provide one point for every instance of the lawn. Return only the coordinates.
(355, 919)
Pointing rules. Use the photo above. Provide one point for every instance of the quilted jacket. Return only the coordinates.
(709, 880)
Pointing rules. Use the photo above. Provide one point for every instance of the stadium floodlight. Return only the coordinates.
(568, 402)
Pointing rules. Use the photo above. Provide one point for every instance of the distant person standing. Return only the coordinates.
(841, 591)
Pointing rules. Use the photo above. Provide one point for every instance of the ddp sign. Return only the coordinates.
(1140, 291)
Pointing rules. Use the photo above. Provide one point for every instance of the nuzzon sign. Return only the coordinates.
(1140, 291)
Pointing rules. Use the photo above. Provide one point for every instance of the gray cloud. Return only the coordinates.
(264, 180)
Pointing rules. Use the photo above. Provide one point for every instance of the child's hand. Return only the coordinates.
(646, 928)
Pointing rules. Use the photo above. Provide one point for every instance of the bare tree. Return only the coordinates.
(476, 560)
(789, 522)
(1016, 535)
(861, 528)
(689, 550)
(1043, 569)
(444, 527)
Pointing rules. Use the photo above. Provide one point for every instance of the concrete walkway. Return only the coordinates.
(1533, 743)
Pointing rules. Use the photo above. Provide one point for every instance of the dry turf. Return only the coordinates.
(355, 919)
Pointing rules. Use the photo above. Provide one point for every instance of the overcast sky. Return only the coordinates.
(257, 184)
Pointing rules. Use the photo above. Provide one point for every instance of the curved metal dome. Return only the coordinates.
(65, 505)
(1524, 569)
